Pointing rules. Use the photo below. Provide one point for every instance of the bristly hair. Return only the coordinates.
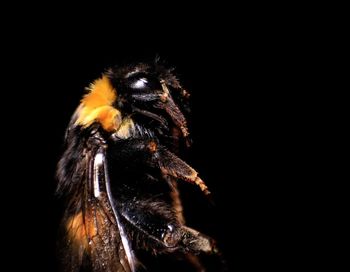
(119, 170)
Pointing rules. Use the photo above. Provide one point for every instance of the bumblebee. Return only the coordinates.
(119, 171)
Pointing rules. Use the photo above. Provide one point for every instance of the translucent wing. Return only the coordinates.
(93, 235)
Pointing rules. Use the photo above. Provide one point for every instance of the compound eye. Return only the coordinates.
(144, 83)
(140, 84)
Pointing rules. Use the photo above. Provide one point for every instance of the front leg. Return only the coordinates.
(147, 153)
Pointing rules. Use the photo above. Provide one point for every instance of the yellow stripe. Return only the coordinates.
(97, 106)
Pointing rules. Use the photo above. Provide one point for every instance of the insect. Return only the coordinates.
(119, 171)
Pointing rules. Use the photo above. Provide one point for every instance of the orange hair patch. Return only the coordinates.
(96, 106)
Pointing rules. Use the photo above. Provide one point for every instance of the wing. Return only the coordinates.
(93, 235)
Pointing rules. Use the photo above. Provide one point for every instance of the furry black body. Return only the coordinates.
(118, 181)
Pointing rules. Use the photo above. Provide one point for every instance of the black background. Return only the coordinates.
(240, 74)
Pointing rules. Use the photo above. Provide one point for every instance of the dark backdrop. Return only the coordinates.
(241, 92)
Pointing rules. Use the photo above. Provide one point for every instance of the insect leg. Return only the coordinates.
(154, 221)
(147, 152)
(158, 223)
